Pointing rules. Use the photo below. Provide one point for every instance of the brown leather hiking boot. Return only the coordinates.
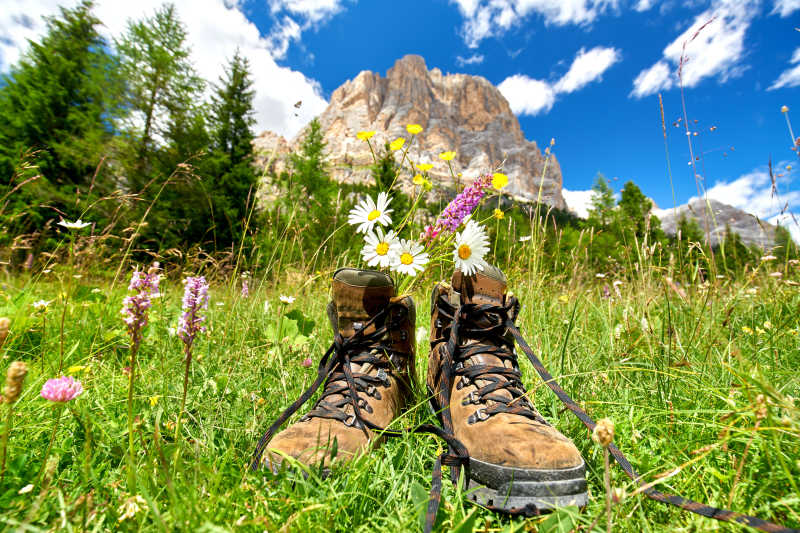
(373, 352)
(521, 463)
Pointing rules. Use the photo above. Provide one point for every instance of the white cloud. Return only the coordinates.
(528, 96)
(215, 28)
(309, 13)
(487, 18)
(586, 68)
(313, 11)
(644, 5)
(475, 59)
(789, 77)
(579, 201)
(713, 46)
(652, 80)
(282, 34)
(785, 7)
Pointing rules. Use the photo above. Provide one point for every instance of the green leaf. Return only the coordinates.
(419, 497)
(468, 524)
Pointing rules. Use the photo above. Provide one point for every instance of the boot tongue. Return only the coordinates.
(487, 286)
(358, 295)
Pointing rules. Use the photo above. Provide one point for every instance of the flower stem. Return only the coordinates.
(59, 409)
(607, 480)
(4, 443)
(131, 379)
(183, 403)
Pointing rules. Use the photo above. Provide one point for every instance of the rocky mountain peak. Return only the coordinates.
(720, 216)
(459, 112)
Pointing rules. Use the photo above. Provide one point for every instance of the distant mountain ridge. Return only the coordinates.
(750, 228)
(458, 112)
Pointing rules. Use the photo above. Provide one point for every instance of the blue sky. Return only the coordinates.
(585, 72)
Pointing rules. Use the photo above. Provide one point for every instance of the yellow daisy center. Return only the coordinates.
(464, 251)
(373, 215)
(382, 248)
(406, 258)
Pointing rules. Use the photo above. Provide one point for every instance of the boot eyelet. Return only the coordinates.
(351, 421)
(384, 378)
(473, 397)
(481, 414)
(403, 335)
(459, 385)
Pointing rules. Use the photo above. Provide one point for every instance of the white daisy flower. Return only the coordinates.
(470, 247)
(525, 238)
(287, 299)
(367, 213)
(410, 258)
(380, 249)
(40, 304)
(78, 224)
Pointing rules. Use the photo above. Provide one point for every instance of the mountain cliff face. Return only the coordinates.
(751, 229)
(458, 112)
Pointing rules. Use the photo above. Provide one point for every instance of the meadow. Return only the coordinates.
(160, 395)
(699, 379)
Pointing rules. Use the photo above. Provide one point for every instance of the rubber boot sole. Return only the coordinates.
(523, 491)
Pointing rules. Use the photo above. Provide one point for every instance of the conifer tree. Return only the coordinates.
(230, 169)
(162, 91)
(603, 202)
(61, 100)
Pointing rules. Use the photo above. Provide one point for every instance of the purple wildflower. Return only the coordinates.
(461, 206)
(245, 289)
(61, 389)
(134, 308)
(307, 362)
(195, 300)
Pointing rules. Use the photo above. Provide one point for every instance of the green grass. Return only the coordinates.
(686, 381)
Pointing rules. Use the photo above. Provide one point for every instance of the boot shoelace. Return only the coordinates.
(489, 322)
(484, 325)
(335, 368)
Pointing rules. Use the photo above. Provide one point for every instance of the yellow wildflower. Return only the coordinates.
(499, 180)
(447, 156)
(419, 180)
(563, 298)
(365, 135)
(747, 330)
(413, 129)
(425, 167)
(767, 325)
(760, 331)
(498, 214)
(75, 369)
(154, 400)
(397, 143)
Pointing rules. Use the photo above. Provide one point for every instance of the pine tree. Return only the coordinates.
(62, 100)
(162, 91)
(309, 167)
(634, 207)
(230, 169)
(603, 202)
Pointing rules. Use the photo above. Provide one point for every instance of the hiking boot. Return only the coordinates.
(374, 343)
(521, 463)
